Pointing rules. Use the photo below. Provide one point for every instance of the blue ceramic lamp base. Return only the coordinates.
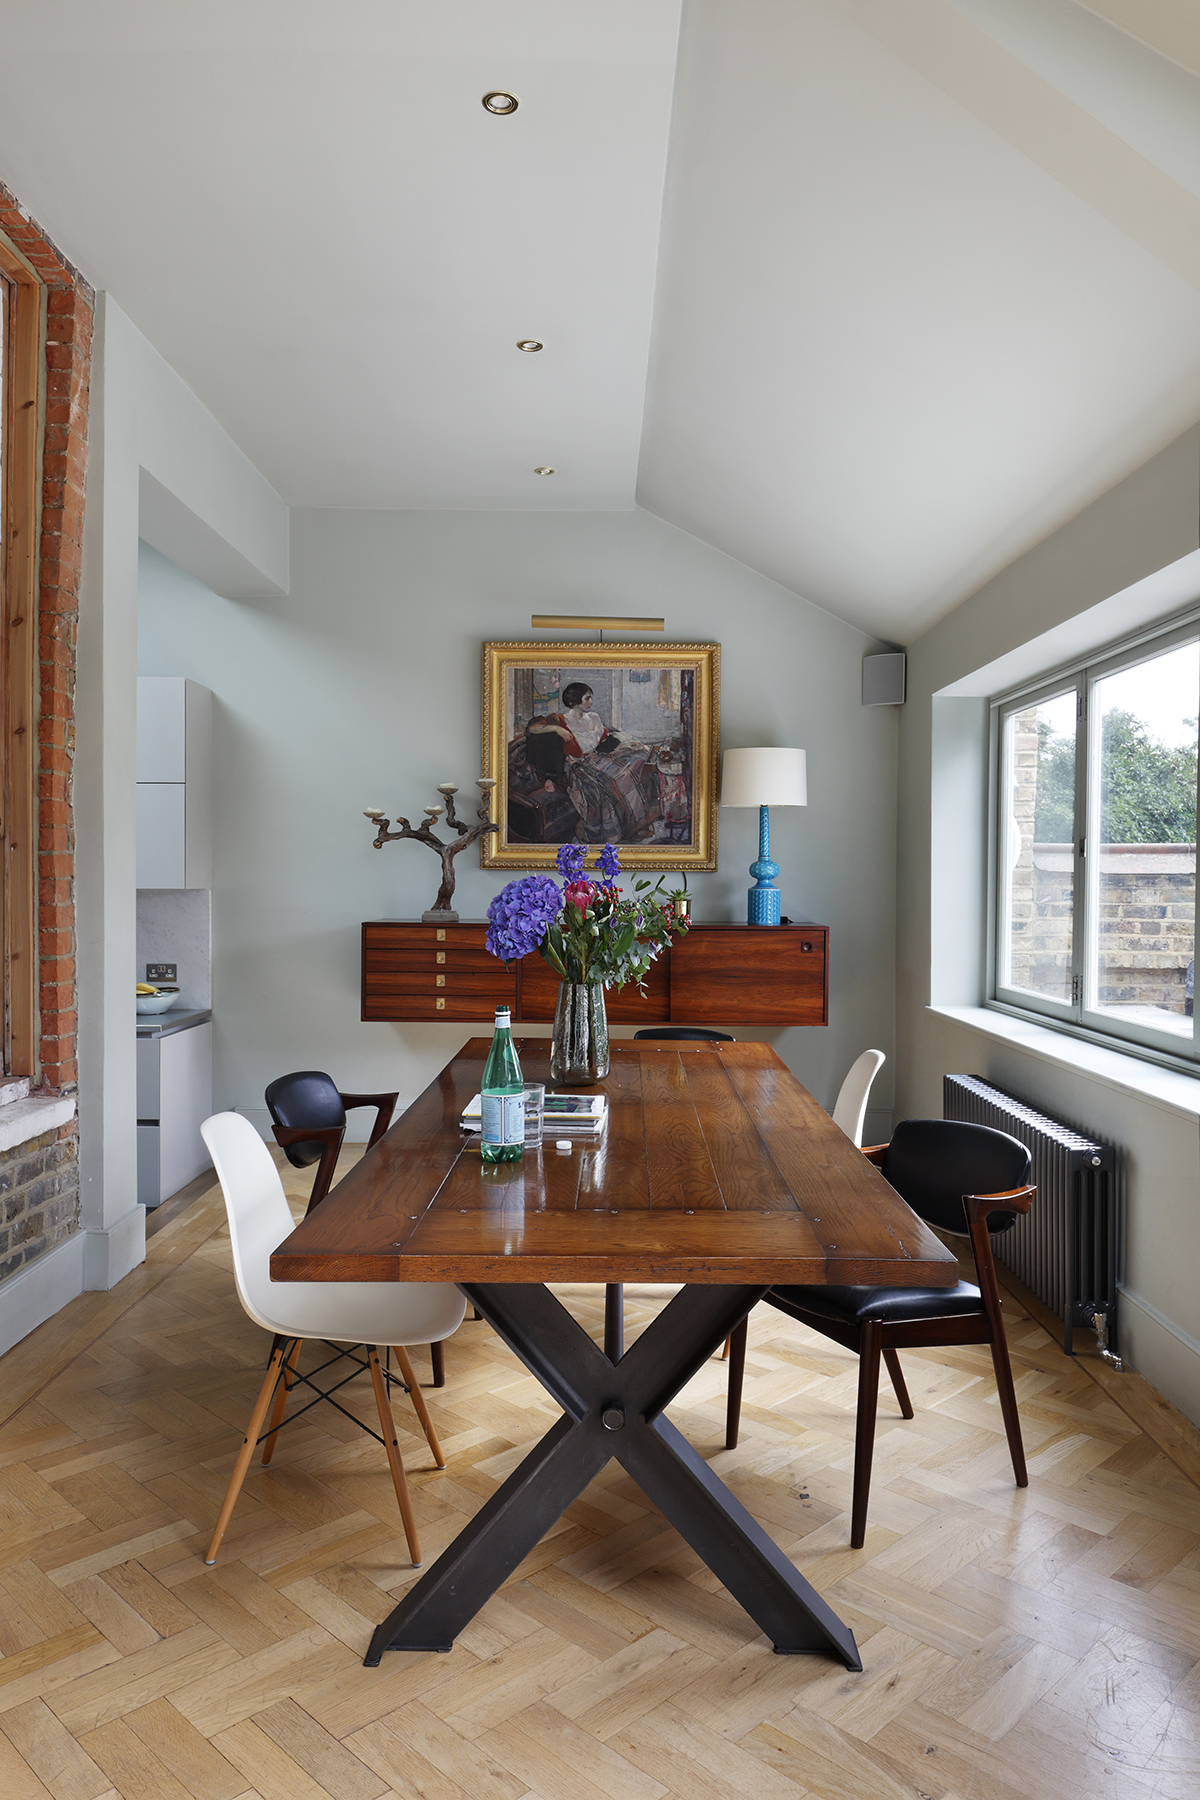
(762, 901)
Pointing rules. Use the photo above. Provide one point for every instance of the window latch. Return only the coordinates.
(1083, 846)
(1074, 990)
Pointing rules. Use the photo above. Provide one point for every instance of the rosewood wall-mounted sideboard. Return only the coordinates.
(711, 975)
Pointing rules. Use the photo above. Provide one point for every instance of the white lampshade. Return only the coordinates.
(763, 778)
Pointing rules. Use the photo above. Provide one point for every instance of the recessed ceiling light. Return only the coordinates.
(499, 102)
(530, 344)
(544, 470)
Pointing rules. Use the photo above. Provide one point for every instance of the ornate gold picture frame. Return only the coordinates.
(602, 743)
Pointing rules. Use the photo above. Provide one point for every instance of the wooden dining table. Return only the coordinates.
(717, 1171)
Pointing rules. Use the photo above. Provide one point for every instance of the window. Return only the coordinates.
(20, 344)
(1096, 846)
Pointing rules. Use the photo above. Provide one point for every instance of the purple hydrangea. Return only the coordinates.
(519, 915)
(570, 859)
(608, 864)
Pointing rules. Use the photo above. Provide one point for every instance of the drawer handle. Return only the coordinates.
(440, 1005)
(441, 956)
(441, 981)
(441, 936)
(806, 946)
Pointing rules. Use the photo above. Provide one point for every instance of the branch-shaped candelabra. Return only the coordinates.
(441, 912)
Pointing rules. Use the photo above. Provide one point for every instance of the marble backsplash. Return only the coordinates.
(174, 925)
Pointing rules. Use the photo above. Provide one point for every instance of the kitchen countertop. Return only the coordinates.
(174, 1019)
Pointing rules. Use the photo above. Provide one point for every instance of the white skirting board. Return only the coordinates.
(1167, 1356)
(35, 1294)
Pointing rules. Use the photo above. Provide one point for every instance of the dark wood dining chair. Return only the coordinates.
(958, 1178)
(308, 1116)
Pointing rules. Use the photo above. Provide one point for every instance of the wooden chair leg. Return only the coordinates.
(869, 1347)
(725, 1349)
(736, 1344)
(1008, 1408)
(388, 1427)
(437, 1356)
(897, 1375)
(273, 1374)
(281, 1400)
(985, 1270)
(418, 1400)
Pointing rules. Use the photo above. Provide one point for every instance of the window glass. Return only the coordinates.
(1038, 882)
(1143, 860)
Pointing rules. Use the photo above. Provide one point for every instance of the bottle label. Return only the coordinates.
(503, 1119)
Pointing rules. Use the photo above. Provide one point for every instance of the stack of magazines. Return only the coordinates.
(566, 1115)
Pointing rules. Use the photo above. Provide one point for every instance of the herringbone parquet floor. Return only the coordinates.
(1016, 1644)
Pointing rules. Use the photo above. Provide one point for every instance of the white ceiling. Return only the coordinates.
(924, 280)
(306, 209)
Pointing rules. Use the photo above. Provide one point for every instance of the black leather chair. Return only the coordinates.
(683, 1034)
(959, 1178)
(308, 1116)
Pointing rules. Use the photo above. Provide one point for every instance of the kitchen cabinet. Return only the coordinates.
(174, 783)
(174, 1097)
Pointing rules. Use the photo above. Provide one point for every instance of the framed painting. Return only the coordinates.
(602, 744)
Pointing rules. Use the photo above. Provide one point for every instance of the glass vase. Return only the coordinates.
(579, 1047)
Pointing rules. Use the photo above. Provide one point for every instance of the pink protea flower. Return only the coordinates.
(580, 894)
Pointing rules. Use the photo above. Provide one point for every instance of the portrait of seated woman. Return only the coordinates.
(611, 781)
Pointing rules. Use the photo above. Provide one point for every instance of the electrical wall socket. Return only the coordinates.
(161, 971)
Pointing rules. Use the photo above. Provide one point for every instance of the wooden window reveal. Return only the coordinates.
(21, 412)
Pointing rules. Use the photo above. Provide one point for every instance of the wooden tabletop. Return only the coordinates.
(716, 1166)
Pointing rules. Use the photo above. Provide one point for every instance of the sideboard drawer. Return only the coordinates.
(393, 935)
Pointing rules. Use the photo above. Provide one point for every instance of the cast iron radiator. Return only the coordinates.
(1066, 1247)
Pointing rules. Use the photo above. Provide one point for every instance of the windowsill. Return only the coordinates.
(1166, 1088)
(22, 1120)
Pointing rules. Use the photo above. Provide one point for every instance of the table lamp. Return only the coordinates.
(763, 778)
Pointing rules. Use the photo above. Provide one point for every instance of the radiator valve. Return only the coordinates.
(1100, 1325)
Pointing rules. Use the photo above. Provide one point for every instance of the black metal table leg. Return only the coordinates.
(614, 1410)
(614, 1321)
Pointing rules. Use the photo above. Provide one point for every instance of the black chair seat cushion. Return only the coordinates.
(890, 1306)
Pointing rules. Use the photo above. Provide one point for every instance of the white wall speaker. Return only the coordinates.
(883, 679)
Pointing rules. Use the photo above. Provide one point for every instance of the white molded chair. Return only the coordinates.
(342, 1312)
(850, 1107)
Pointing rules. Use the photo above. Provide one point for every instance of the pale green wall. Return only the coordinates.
(362, 688)
(1128, 560)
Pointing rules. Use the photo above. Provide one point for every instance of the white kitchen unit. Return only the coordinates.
(174, 1097)
(174, 783)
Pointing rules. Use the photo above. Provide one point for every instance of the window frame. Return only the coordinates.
(1079, 1017)
(23, 398)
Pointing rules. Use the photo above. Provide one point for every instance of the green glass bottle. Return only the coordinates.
(503, 1096)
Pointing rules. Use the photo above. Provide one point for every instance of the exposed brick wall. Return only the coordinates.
(1147, 923)
(39, 1199)
(41, 1222)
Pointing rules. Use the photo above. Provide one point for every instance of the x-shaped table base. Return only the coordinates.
(614, 1410)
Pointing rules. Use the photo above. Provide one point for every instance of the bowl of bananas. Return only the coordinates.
(151, 999)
